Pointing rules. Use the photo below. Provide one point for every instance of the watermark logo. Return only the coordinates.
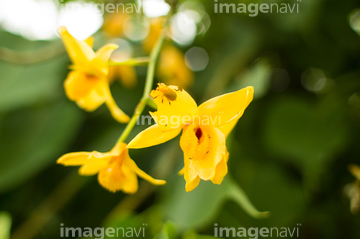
(253, 9)
(175, 121)
(102, 232)
(257, 232)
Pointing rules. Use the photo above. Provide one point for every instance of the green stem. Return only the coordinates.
(148, 86)
(139, 61)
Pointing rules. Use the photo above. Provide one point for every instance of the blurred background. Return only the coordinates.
(289, 152)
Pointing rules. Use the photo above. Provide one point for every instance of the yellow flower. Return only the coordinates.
(355, 171)
(156, 26)
(205, 129)
(125, 74)
(114, 24)
(116, 170)
(172, 68)
(87, 83)
(353, 189)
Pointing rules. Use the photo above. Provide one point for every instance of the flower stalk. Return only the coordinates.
(148, 87)
(139, 61)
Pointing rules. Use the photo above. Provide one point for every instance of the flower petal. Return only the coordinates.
(115, 176)
(221, 169)
(79, 52)
(132, 165)
(89, 41)
(93, 168)
(204, 159)
(224, 108)
(175, 106)
(151, 136)
(75, 159)
(190, 174)
(115, 111)
(100, 62)
(92, 101)
(78, 85)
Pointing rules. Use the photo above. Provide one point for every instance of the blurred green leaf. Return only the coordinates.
(194, 235)
(258, 76)
(168, 231)
(305, 133)
(22, 86)
(5, 225)
(196, 208)
(33, 138)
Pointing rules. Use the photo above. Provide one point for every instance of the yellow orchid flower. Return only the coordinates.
(116, 170)
(172, 68)
(156, 27)
(125, 74)
(114, 24)
(87, 83)
(205, 129)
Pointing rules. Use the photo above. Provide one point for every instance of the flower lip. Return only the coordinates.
(198, 134)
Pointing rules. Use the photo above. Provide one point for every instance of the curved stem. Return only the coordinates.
(148, 86)
(139, 61)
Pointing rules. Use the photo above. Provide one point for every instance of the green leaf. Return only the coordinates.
(32, 139)
(257, 76)
(307, 134)
(5, 225)
(194, 235)
(168, 231)
(198, 207)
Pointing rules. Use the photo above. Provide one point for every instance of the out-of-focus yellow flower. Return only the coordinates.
(205, 129)
(172, 68)
(114, 24)
(156, 26)
(353, 189)
(355, 171)
(87, 83)
(125, 74)
(116, 170)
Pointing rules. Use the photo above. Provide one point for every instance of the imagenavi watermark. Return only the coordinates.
(257, 232)
(102, 232)
(175, 121)
(253, 9)
(125, 6)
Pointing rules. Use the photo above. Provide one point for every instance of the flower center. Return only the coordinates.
(198, 133)
(91, 76)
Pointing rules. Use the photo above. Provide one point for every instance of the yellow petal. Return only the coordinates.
(115, 111)
(225, 108)
(130, 184)
(75, 159)
(228, 127)
(172, 68)
(175, 106)
(156, 27)
(151, 136)
(81, 158)
(221, 169)
(92, 101)
(127, 76)
(78, 85)
(79, 52)
(191, 185)
(115, 176)
(203, 159)
(93, 168)
(182, 171)
(100, 62)
(90, 41)
(132, 165)
(355, 171)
